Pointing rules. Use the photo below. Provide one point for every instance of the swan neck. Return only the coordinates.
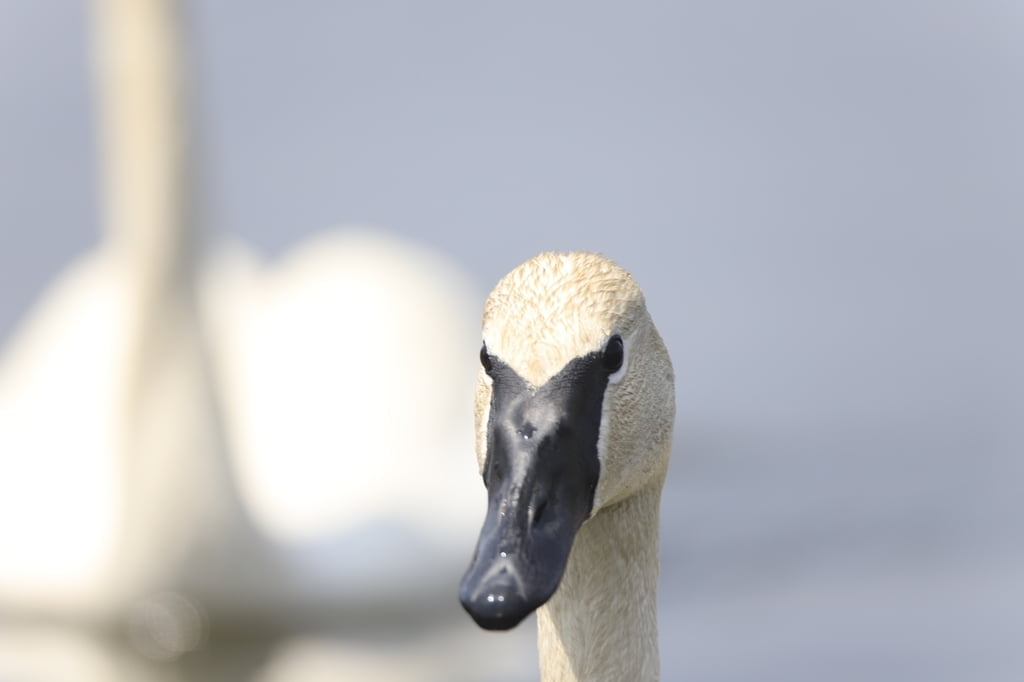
(144, 139)
(601, 624)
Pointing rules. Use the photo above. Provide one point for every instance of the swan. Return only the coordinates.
(575, 405)
(178, 416)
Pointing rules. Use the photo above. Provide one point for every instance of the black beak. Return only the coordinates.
(541, 472)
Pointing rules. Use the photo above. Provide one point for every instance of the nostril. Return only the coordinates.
(538, 512)
(526, 431)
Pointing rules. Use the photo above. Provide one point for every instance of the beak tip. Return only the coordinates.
(494, 604)
(494, 612)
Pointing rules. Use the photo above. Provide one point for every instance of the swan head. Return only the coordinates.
(574, 410)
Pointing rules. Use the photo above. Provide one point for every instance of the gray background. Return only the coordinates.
(822, 201)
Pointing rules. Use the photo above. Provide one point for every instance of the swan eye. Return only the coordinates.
(485, 359)
(613, 354)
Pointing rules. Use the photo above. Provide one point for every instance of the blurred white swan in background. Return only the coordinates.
(262, 437)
